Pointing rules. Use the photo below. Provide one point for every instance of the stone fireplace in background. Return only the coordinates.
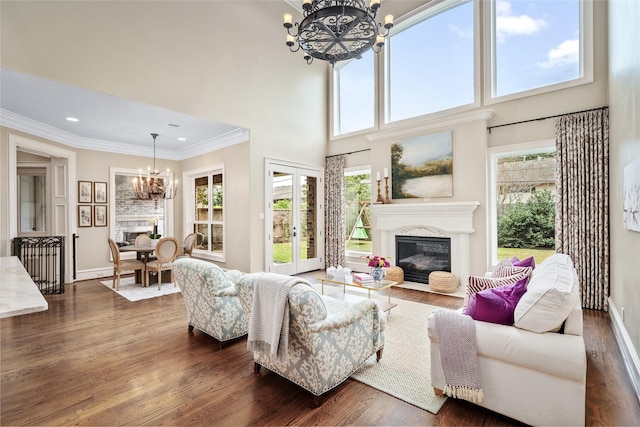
(450, 220)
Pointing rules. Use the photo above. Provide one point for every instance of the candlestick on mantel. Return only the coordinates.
(386, 189)
(379, 198)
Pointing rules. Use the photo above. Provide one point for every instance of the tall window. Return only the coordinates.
(354, 95)
(357, 188)
(524, 193)
(430, 62)
(536, 44)
(208, 212)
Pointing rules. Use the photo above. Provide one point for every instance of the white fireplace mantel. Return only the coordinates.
(433, 219)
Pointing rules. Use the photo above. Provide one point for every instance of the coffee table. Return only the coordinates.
(380, 286)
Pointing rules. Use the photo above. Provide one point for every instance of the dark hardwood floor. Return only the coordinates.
(95, 358)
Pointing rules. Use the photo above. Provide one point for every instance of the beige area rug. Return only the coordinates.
(404, 370)
(135, 292)
(459, 293)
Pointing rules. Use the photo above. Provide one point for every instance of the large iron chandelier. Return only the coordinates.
(337, 30)
(153, 186)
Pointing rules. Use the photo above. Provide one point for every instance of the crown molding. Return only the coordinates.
(228, 139)
(24, 124)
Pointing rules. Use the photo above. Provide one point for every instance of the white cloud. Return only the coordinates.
(508, 24)
(461, 32)
(567, 52)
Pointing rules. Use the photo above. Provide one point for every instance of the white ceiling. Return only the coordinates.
(106, 123)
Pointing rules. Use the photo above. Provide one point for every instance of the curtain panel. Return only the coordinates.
(582, 201)
(334, 212)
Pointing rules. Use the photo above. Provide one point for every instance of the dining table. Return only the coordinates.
(143, 254)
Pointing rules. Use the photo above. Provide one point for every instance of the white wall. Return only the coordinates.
(624, 134)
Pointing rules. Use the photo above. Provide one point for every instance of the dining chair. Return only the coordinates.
(142, 240)
(188, 244)
(166, 252)
(120, 265)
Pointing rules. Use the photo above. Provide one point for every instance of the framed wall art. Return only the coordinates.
(84, 192)
(99, 192)
(100, 216)
(422, 167)
(84, 215)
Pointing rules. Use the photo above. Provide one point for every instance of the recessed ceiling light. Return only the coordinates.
(72, 119)
(182, 139)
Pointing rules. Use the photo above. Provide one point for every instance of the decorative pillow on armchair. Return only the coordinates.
(497, 305)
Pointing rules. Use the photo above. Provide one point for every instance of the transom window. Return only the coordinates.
(430, 62)
(354, 90)
(535, 44)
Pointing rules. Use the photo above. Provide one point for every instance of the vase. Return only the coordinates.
(378, 273)
(154, 242)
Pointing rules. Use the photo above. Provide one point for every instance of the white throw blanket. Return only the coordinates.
(269, 320)
(459, 355)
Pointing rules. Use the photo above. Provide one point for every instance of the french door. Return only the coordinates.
(294, 218)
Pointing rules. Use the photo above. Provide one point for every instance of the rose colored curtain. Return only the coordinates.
(582, 202)
(334, 212)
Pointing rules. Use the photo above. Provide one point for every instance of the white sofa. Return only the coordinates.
(538, 378)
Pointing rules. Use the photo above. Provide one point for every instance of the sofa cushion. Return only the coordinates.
(479, 283)
(552, 293)
(496, 305)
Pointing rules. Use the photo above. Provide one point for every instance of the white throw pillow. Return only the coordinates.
(551, 295)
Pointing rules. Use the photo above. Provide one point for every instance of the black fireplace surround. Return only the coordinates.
(419, 256)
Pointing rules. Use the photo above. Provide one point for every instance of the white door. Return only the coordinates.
(294, 220)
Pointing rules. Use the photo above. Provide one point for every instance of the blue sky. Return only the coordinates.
(537, 44)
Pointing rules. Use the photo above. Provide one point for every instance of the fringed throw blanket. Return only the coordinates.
(269, 320)
(459, 355)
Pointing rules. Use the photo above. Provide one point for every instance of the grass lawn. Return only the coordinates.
(538, 254)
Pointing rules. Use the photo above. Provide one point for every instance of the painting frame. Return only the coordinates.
(99, 215)
(85, 191)
(422, 166)
(99, 192)
(85, 215)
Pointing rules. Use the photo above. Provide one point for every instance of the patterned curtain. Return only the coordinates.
(334, 216)
(582, 203)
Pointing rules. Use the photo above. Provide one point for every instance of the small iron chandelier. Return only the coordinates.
(337, 30)
(154, 187)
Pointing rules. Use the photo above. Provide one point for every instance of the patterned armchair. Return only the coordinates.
(329, 339)
(211, 299)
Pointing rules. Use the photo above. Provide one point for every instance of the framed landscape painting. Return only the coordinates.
(422, 167)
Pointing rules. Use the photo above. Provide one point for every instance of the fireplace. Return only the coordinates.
(448, 220)
(419, 256)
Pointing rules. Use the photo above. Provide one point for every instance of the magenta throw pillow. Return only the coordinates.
(496, 305)
(527, 262)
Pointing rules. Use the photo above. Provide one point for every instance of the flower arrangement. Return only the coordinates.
(377, 261)
(155, 234)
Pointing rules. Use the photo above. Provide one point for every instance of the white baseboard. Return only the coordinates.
(629, 354)
(96, 273)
